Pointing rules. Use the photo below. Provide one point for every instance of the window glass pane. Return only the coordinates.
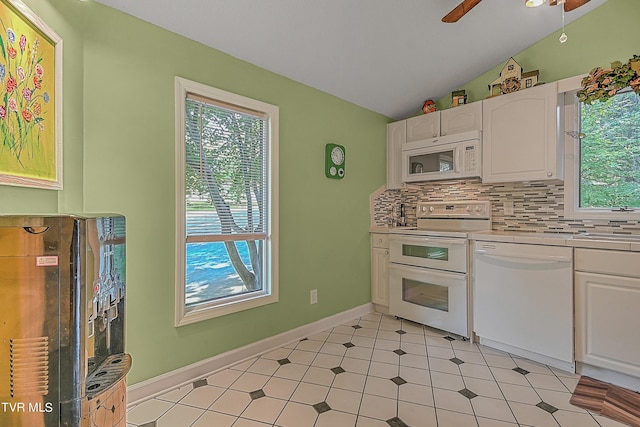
(225, 195)
(425, 294)
(210, 272)
(610, 153)
(427, 252)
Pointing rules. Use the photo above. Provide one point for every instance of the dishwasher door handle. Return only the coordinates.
(547, 258)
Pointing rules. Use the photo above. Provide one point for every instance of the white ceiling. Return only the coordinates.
(384, 55)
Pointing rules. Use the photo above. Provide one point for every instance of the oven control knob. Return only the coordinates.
(468, 208)
(430, 208)
(478, 208)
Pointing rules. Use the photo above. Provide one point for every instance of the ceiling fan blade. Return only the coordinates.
(460, 10)
(570, 5)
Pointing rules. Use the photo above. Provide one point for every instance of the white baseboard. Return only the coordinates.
(187, 374)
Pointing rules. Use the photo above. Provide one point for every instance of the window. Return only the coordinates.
(603, 167)
(227, 188)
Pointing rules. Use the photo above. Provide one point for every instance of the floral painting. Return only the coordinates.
(30, 146)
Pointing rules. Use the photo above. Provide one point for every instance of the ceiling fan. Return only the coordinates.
(460, 10)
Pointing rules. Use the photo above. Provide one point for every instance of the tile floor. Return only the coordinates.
(375, 371)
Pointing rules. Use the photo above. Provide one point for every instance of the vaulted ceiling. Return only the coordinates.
(387, 56)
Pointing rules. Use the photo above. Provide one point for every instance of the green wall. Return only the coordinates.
(128, 72)
(608, 33)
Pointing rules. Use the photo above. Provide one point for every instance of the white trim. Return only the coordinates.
(162, 383)
(536, 357)
(269, 294)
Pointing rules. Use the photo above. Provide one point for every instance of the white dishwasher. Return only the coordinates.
(523, 300)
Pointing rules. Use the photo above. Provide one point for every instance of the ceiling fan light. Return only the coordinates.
(533, 3)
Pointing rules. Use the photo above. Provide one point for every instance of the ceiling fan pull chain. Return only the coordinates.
(563, 37)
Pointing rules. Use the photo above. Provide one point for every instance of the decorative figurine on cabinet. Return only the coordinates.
(428, 107)
(513, 79)
(458, 97)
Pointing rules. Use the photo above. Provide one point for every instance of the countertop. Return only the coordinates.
(551, 239)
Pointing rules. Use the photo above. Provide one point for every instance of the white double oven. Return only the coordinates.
(429, 271)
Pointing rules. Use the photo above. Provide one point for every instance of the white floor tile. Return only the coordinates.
(297, 415)
(320, 376)
(419, 376)
(223, 378)
(455, 419)
(202, 397)
(547, 382)
(572, 419)
(484, 388)
(452, 401)
(476, 371)
(264, 366)
(326, 361)
(264, 409)
(310, 393)
(179, 415)
(383, 370)
(301, 357)
(291, 371)
(280, 388)
(486, 422)
(520, 394)
(381, 387)
(509, 376)
(232, 402)
(414, 393)
(355, 366)
(378, 407)
(370, 422)
(443, 365)
(217, 419)
(350, 381)
(446, 381)
(416, 415)
(496, 409)
(335, 419)
(244, 422)
(529, 415)
(344, 400)
(250, 381)
(176, 394)
(148, 411)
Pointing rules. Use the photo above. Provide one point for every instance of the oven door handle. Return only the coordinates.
(547, 258)
(431, 240)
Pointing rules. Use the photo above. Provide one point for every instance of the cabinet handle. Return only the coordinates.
(444, 133)
(386, 252)
(549, 174)
(435, 134)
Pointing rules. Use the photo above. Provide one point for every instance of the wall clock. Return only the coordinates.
(334, 160)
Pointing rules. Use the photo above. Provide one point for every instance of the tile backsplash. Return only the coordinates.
(537, 206)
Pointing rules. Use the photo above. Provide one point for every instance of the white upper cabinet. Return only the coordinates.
(461, 119)
(520, 141)
(396, 137)
(446, 122)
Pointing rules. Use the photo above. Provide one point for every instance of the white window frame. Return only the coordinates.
(571, 116)
(269, 292)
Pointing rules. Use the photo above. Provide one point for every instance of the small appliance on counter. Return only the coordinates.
(62, 321)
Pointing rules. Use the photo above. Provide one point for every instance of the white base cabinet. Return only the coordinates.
(607, 310)
(380, 269)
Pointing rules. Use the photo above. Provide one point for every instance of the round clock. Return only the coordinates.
(334, 161)
(337, 155)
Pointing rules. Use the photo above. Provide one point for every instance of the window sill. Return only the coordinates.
(211, 310)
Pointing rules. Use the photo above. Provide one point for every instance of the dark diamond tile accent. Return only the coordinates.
(284, 361)
(397, 422)
(304, 339)
(521, 371)
(398, 380)
(322, 407)
(457, 361)
(337, 370)
(149, 424)
(357, 327)
(546, 407)
(400, 331)
(256, 394)
(449, 338)
(399, 352)
(200, 383)
(467, 393)
(349, 344)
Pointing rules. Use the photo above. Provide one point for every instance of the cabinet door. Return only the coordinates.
(423, 127)
(396, 137)
(519, 136)
(459, 119)
(380, 276)
(607, 319)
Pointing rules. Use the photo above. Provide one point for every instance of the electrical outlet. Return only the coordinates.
(313, 297)
(508, 207)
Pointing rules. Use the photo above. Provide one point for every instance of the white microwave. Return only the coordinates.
(448, 157)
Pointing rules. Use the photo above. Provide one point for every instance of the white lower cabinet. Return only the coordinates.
(607, 287)
(380, 269)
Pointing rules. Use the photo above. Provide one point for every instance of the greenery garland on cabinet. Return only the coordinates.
(601, 84)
